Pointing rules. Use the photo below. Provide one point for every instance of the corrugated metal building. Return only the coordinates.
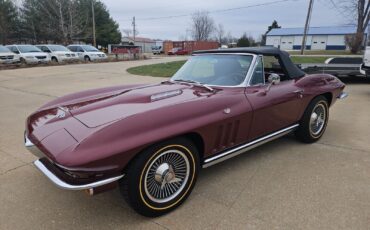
(318, 38)
(145, 43)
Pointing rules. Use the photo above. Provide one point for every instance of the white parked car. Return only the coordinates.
(365, 67)
(87, 52)
(58, 53)
(29, 54)
(7, 56)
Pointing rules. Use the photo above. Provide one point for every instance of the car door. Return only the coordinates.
(80, 52)
(46, 50)
(274, 106)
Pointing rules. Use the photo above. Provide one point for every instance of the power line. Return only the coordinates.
(216, 11)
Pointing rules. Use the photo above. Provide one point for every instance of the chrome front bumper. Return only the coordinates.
(56, 180)
(342, 95)
(62, 184)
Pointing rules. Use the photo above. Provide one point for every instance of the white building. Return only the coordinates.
(145, 43)
(318, 38)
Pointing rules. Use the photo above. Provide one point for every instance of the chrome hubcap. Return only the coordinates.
(317, 120)
(166, 176)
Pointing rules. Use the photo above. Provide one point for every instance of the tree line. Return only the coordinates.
(203, 28)
(56, 21)
(357, 11)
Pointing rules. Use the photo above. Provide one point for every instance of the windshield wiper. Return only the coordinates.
(197, 83)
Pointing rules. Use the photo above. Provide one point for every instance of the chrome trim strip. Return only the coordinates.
(248, 74)
(61, 184)
(248, 146)
(342, 95)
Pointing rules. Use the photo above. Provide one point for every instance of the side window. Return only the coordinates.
(72, 48)
(79, 49)
(45, 49)
(14, 49)
(258, 76)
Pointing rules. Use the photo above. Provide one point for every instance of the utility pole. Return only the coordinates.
(134, 28)
(308, 18)
(93, 21)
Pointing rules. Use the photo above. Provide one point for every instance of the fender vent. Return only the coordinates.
(227, 135)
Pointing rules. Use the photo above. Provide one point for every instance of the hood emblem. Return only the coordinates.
(61, 113)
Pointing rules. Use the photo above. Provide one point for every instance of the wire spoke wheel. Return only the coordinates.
(317, 119)
(166, 176)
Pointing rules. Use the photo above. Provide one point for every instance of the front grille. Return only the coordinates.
(68, 55)
(40, 57)
(72, 55)
(101, 55)
(10, 57)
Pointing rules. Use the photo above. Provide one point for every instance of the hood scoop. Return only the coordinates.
(164, 95)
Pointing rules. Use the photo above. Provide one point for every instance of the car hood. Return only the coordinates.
(95, 52)
(34, 54)
(101, 109)
(8, 54)
(62, 52)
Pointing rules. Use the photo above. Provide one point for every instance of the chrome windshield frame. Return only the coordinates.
(247, 76)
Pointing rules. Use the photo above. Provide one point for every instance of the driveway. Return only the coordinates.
(284, 184)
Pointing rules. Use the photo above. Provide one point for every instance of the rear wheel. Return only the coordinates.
(161, 177)
(314, 121)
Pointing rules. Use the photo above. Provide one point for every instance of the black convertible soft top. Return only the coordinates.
(292, 70)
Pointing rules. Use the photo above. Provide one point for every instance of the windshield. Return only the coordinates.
(222, 70)
(58, 48)
(28, 49)
(90, 48)
(3, 49)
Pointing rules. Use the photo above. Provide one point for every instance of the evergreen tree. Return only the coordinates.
(245, 41)
(274, 25)
(9, 21)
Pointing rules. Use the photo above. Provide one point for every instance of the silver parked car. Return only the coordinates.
(7, 56)
(29, 54)
(59, 53)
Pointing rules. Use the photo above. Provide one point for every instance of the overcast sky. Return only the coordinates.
(254, 20)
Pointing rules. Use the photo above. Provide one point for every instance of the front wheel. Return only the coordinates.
(314, 121)
(161, 177)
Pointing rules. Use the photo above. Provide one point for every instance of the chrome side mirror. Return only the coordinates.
(273, 79)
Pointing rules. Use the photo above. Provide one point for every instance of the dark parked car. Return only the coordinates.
(152, 139)
(337, 66)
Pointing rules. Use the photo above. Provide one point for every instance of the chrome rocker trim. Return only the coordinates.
(342, 95)
(61, 184)
(248, 146)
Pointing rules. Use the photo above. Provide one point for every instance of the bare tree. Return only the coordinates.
(360, 10)
(202, 26)
(127, 32)
(220, 33)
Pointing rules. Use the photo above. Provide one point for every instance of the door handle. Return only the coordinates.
(298, 91)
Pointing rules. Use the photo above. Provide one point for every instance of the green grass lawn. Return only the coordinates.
(168, 69)
(157, 70)
(308, 59)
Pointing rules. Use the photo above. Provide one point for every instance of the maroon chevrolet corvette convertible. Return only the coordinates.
(151, 140)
